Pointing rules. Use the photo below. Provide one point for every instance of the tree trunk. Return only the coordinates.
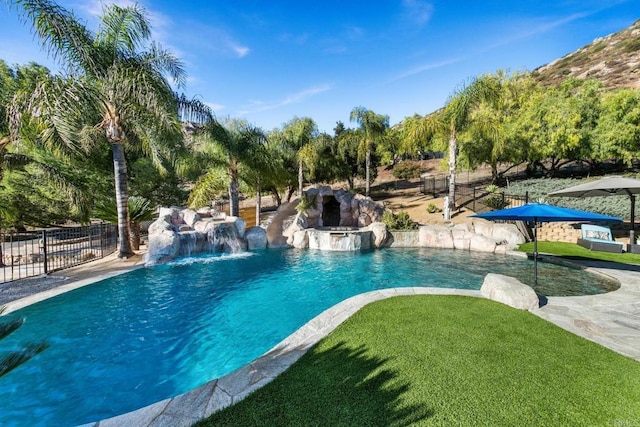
(122, 200)
(367, 165)
(300, 179)
(276, 195)
(290, 190)
(258, 203)
(494, 173)
(453, 148)
(135, 235)
(234, 208)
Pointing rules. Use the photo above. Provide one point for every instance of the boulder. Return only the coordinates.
(256, 238)
(435, 236)
(239, 223)
(190, 217)
(300, 240)
(299, 223)
(364, 220)
(224, 236)
(204, 212)
(461, 234)
(483, 227)
(508, 235)
(205, 224)
(403, 239)
(172, 213)
(380, 234)
(510, 291)
(164, 242)
(161, 224)
(482, 243)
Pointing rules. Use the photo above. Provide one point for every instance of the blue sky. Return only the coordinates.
(268, 61)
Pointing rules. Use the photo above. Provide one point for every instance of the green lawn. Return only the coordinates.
(572, 250)
(447, 360)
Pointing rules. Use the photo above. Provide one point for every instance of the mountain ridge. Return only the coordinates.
(613, 59)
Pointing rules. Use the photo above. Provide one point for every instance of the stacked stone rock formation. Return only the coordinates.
(181, 232)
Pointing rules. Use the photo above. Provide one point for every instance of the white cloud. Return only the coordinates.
(215, 107)
(298, 39)
(256, 106)
(241, 51)
(530, 29)
(353, 32)
(426, 67)
(417, 12)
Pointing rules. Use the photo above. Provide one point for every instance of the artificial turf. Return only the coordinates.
(447, 360)
(573, 251)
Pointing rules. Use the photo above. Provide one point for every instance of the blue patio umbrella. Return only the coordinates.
(540, 212)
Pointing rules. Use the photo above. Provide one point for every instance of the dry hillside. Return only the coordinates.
(614, 60)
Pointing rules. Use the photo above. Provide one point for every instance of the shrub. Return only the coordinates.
(432, 208)
(495, 200)
(406, 171)
(401, 221)
(539, 188)
(306, 202)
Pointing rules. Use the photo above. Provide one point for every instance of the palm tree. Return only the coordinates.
(373, 127)
(225, 146)
(117, 90)
(452, 119)
(299, 134)
(457, 113)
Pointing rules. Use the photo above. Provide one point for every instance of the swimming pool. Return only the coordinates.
(153, 333)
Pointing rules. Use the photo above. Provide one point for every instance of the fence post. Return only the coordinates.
(474, 198)
(502, 203)
(44, 251)
(102, 240)
(526, 196)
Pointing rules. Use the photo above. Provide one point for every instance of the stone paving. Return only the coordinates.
(612, 320)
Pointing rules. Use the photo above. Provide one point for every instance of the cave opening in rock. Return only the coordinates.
(330, 212)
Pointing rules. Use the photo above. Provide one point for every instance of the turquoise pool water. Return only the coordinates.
(141, 337)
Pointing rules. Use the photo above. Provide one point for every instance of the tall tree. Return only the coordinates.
(457, 114)
(225, 146)
(617, 134)
(117, 90)
(454, 118)
(299, 133)
(373, 128)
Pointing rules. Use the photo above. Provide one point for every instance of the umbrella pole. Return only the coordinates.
(535, 252)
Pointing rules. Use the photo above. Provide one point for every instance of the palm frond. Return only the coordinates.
(161, 59)
(123, 29)
(193, 110)
(210, 186)
(140, 209)
(17, 358)
(7, 327)
(60, 33)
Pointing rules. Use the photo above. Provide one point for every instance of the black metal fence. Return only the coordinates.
(477, 198)
(37, 252)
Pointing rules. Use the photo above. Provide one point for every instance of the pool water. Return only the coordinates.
(135, 339)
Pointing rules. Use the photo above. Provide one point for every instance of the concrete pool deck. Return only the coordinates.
(611, 320)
